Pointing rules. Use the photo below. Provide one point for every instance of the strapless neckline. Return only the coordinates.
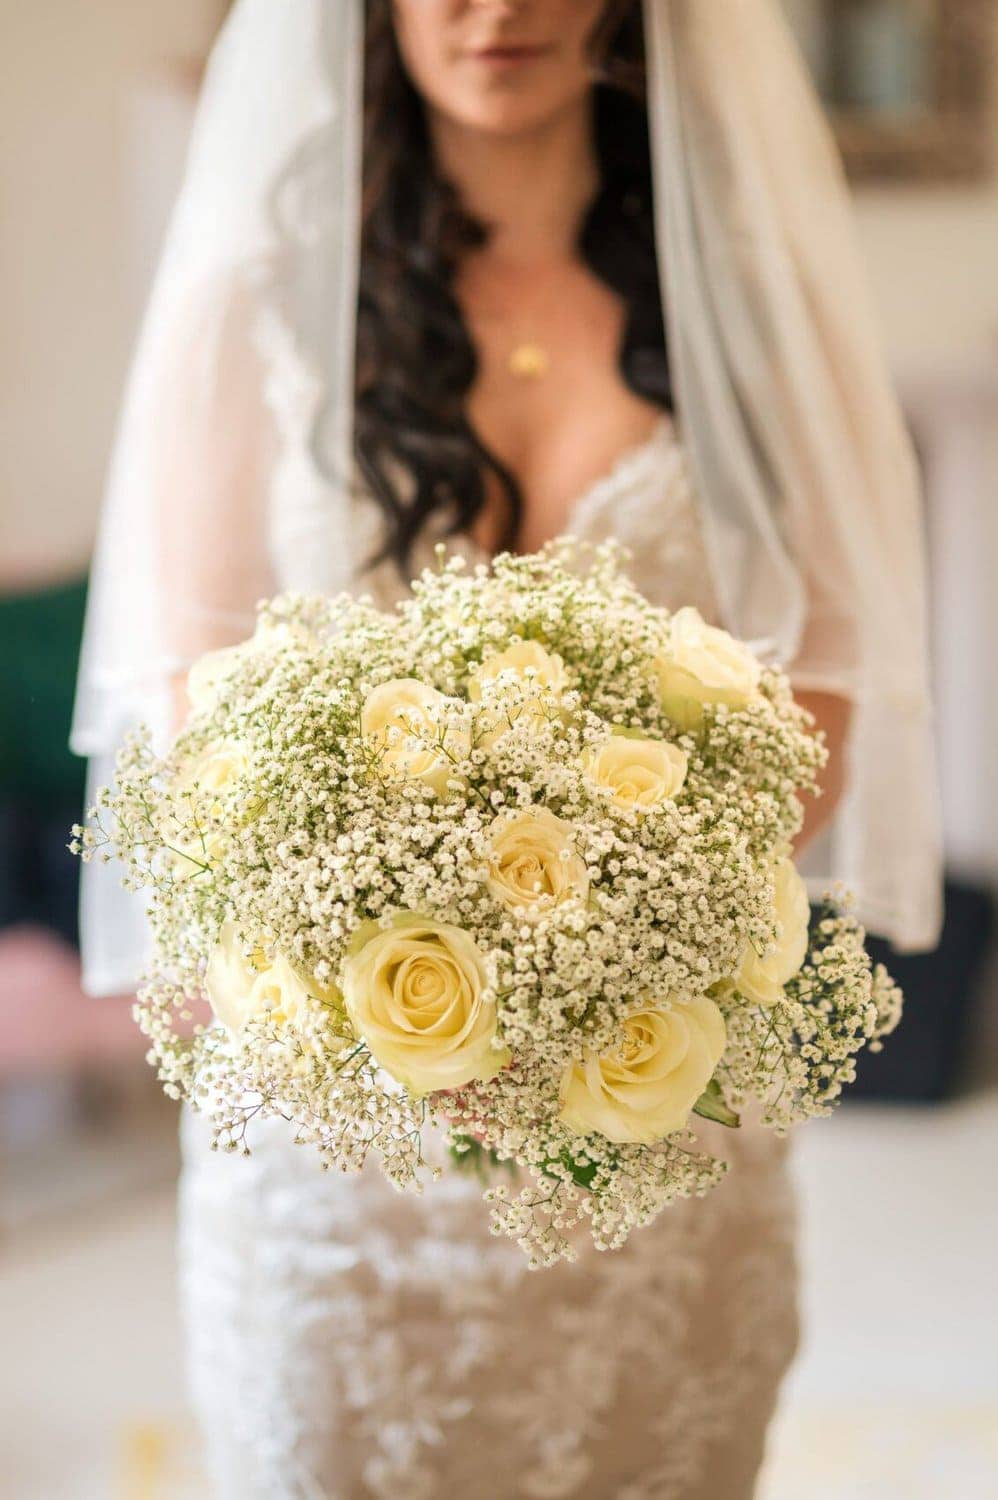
(631, 463)
(645, 502)
(660, 444)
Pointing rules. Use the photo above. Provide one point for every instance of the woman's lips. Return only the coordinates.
(509, 55)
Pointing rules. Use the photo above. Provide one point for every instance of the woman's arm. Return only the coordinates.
(833, 715)
(181, 702)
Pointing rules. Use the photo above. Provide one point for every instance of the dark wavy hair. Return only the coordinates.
(416, 449)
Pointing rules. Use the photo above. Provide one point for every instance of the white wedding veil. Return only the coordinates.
(244, 375)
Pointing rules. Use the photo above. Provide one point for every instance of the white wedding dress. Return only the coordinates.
(348, 1342)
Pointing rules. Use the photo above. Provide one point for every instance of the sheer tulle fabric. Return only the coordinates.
(233, 472)
(209, 506)
(784, 390)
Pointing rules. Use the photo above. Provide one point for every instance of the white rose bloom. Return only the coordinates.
(209, 672)
(530, 678)
(762, 978)
(241, 985)
(416, 994)
(405, 719)
(272, 632)
(215, 769)
(645, 1088)
(533, 864)
(702, 665)
(213, 773)
(637, 773)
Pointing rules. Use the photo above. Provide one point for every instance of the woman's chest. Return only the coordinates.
(550, 403)
(644, 500)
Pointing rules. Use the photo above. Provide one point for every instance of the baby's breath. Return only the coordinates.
(316, 833)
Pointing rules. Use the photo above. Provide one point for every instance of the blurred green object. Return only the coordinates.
(40, 633)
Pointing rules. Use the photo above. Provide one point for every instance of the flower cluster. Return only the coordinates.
(513, 863)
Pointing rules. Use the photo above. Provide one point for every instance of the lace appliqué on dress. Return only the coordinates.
(353, 1343)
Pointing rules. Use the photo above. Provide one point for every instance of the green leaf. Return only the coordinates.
(469, 1155)
(711, 1106)
(621, 732)
(581, 1173)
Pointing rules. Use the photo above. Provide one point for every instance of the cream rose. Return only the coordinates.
(408, 722)
(702, 665)
(530, 677)
(242, 984)
(762, 978)
(208, 673)
(637, 773)
(416, 994)
(645, 1088)
(533, 863)
(212, 774)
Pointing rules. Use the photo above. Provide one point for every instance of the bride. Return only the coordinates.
(495, 270)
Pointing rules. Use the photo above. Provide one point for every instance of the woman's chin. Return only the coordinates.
(506, 110)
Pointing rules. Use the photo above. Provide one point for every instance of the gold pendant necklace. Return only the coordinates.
(528, 362)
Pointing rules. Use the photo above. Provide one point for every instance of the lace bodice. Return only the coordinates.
(645, 501)
(351, 1343)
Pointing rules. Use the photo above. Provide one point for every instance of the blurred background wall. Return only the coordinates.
(931, 252)
(76, 185)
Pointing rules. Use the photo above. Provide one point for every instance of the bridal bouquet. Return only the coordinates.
(513, 861)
